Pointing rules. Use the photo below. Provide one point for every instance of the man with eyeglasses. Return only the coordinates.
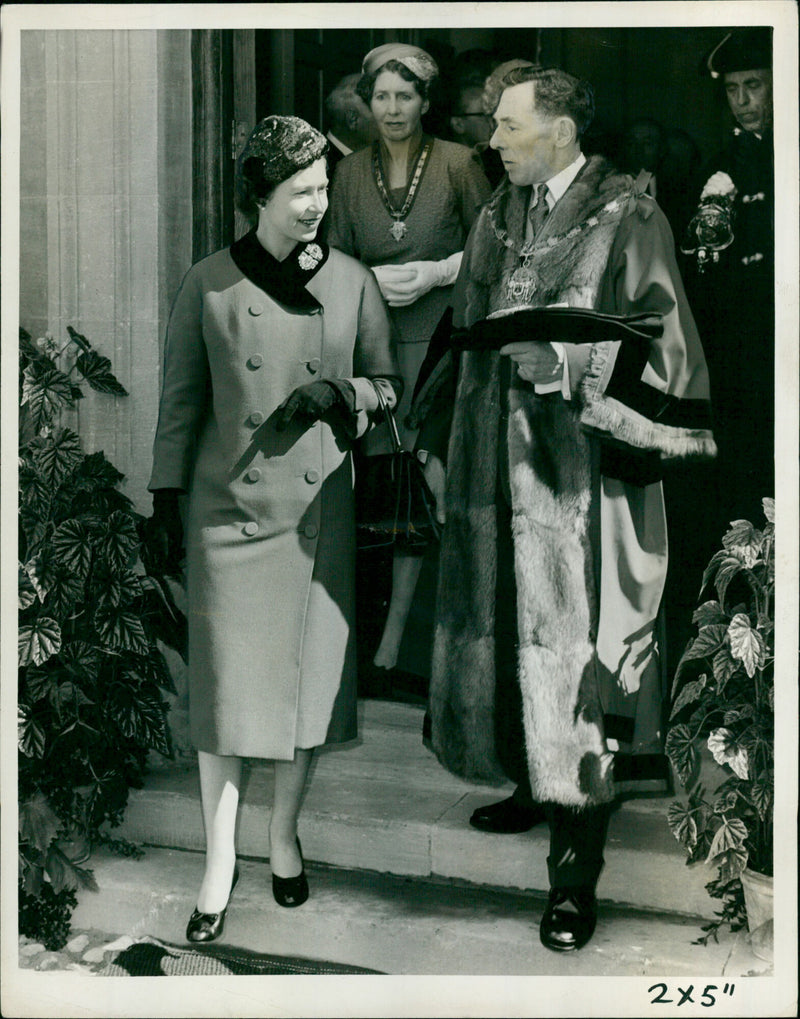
(472, 126)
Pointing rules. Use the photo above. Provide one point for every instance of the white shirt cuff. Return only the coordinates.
(557, 385)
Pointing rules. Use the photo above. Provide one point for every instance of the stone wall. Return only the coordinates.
(106, 223)
(105, 213)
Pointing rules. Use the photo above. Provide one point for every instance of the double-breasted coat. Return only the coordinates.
(269, 532)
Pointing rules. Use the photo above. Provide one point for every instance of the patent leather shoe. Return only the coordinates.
(209, 926)
(291, 891)
(508, 817)
(569, 919)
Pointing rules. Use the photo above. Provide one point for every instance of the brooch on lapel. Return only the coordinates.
(310, 256)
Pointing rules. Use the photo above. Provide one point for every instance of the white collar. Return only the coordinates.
(340, 145)
(557, 185)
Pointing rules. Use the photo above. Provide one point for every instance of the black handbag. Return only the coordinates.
(394, 505)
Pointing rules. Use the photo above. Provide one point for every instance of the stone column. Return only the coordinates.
(106, 222)
(106, 214)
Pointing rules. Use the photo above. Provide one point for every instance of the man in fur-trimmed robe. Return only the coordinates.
(554, 549)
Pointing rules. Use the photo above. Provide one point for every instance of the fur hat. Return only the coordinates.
(743, 49)
(276, 150)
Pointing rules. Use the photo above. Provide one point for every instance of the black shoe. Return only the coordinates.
(507, 817)
(291, 891)
(568, 929)
(375, 681)
(209, 926)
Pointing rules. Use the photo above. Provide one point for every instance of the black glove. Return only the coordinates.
(314, 399)
(163, 534)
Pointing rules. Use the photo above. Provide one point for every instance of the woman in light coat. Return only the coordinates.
(274, 348)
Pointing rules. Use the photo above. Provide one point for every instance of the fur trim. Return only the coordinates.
(598, 366)
(610, 417)
(569, 254)
(462, 680)
(557, 604)
(567, 755)
(554, 498)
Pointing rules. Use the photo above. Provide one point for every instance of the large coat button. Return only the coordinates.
(312, 477)
(310, 531)
(254, 474)
(256, 418)
(255, 361)
(251, 528)
(255, 309)
(314, 365)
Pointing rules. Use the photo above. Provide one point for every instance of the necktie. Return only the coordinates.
(539, 208)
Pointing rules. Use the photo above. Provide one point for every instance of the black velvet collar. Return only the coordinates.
(284, 281)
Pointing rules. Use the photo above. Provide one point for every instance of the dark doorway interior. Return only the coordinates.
(244, 75)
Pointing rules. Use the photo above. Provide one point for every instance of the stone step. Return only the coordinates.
(385, 804)
(396, 925)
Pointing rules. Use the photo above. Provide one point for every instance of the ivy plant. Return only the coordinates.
(724, 697)
(93, 614)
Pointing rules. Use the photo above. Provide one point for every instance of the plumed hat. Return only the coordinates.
(278, 148)
(742, 49)
(415, 59)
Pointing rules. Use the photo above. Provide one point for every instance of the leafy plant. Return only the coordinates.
(46, 917)
(92, 610)
(724, 694)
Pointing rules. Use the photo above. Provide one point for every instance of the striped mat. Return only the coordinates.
(149, 957)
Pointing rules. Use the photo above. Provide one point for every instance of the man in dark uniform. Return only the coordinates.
(733, 297)
(731, 293)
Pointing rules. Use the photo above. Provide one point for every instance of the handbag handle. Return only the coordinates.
(394, 435)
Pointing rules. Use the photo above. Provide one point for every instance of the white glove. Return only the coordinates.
(718, 183)
(402, 285)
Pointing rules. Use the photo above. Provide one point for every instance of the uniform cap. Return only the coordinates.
(743, 49)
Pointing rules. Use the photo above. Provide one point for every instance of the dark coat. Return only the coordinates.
(734, 301)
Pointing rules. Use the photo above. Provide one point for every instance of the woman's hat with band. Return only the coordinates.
(281, 146)
(415, 59)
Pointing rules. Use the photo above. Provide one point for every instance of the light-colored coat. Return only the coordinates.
(270, 532)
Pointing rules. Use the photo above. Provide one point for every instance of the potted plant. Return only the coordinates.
(724, 697)
(92, 610)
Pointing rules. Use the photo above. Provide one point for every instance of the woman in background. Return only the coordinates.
(404, 207)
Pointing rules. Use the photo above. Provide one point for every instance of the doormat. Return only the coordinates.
(149, 957)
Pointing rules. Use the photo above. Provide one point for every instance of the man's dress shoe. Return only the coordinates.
(569, 919)
(507, 817)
